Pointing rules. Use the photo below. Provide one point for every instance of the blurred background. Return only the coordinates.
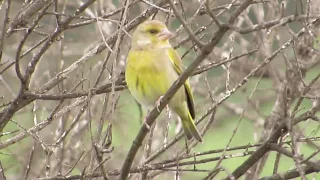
(71, 115)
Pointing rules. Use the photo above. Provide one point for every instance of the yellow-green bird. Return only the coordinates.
(152, 67)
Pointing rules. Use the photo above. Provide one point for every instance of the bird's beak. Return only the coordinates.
(165, 35)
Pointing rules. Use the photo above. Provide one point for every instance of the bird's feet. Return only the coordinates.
(158, 102)
(146, 124)
(167, 107)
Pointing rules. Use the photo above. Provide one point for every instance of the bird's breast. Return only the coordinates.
(149, 75)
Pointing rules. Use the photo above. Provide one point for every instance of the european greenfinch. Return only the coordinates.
(152, 67)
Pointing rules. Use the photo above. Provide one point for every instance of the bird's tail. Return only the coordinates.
(190, 128)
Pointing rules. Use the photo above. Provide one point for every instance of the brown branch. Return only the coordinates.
(291, 174)
(185, 25)
(204, 11)
(2, 176)
(270, 24)
(278, 132)
(4, 27)
(25, 13)
(32, 130)
(287, 153)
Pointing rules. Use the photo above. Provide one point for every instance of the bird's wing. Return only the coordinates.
(176, 61)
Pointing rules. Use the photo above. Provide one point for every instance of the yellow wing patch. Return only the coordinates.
(176, 61)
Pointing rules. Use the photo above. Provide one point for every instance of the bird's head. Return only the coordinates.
(151, 34)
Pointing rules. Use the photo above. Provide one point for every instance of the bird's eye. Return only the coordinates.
(153, 31)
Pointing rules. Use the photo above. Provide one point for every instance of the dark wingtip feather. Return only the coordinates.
(190, 104)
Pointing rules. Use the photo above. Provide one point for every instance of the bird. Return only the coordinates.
(152, 67)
